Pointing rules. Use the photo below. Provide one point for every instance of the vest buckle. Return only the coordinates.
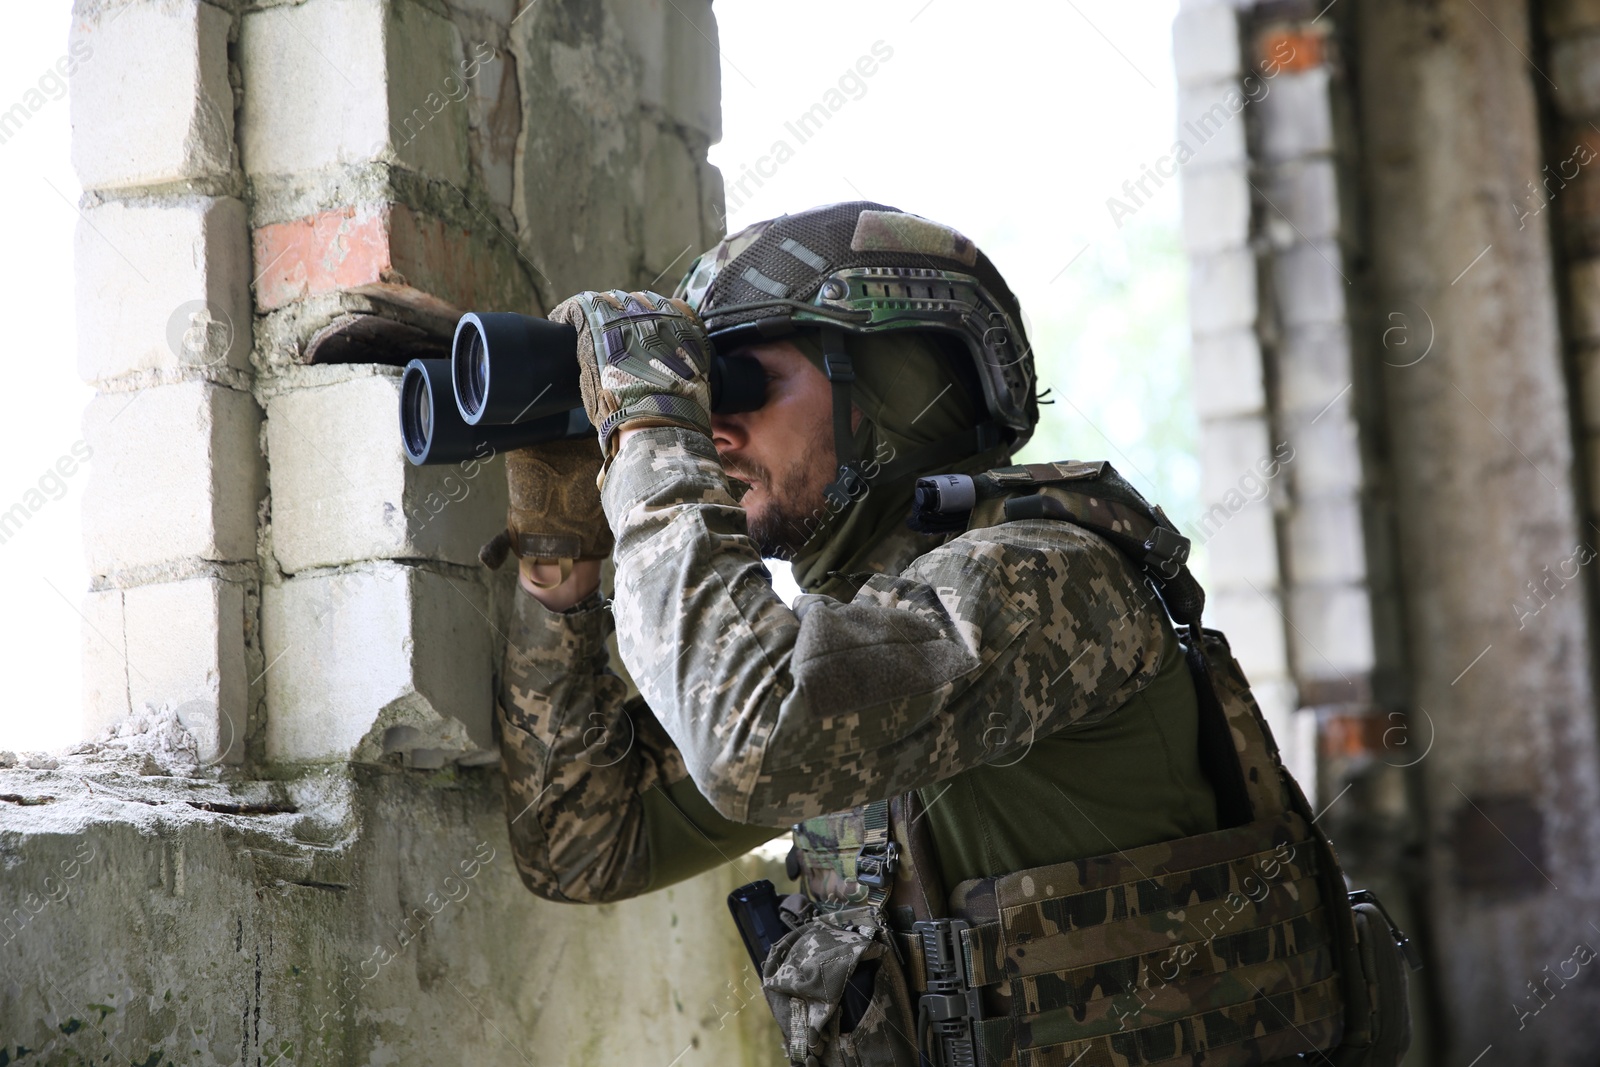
(875, 864)
(947, 1011)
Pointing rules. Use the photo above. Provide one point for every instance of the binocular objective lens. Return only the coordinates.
(477, 371)
(425, 412)
(416, 411)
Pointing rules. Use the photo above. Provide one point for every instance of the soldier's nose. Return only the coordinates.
(728, 433)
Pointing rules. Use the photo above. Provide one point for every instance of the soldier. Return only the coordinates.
(941, 713)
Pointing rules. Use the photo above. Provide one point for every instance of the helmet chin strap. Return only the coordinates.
(836, 364)
(850, 482)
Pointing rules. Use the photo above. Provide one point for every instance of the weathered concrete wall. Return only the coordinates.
(340, 918)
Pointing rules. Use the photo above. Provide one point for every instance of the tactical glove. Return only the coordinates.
(644, 360)
(555, 506)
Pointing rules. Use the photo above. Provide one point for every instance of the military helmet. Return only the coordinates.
(861, 268)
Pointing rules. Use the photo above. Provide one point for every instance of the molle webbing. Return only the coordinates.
(1272, 1025)
(1139, 956)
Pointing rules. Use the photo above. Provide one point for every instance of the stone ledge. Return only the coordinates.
(347, 930)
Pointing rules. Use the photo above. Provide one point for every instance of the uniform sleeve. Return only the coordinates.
(982, 644)
(599, 804)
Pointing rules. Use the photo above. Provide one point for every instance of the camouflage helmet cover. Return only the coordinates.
(865, 267)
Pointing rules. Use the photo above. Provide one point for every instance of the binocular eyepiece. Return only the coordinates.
(512, 381)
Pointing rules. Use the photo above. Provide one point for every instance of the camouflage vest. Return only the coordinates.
(1238, 946)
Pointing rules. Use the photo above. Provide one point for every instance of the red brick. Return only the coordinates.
(1287, 50)
(330, 251)
(390, 251)
(1350, 736)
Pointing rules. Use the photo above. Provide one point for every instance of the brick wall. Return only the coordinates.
(304, 197)
(284, 202)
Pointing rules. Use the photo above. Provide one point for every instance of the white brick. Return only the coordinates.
(1222, 292)
(313, 78)
(163, 287)
(1305, 194)
(1325, 541)
(1332, 633)
(177, 475)
(1205, 44)
(1227, 375)
(1327, 460)
(1310, 284)
(381, 659)
(1294, 117)
(1242, 546)
(151, 101)
(1314, 365)
(347, 81)
(1211, 124)
(186, 652)
(1254, 627)
(105, 662)
(342, 490)
(1216, 209)
(1230, 451)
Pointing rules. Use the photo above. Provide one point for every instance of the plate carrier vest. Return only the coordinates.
(1239, 946)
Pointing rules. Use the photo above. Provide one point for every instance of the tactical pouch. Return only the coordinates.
(1384, 955)
(806, 980)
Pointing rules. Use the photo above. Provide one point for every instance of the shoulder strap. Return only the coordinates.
(1095, 497)
(919, 888)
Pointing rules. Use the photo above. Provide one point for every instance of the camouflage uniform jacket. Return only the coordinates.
(1013, 662)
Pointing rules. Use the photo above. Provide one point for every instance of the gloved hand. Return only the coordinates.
(555, 506)
(644, 360)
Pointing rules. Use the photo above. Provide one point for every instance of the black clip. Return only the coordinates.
(1166, 550)
(1412, 957)
(875, 864)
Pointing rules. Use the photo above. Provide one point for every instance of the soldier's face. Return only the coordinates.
(783, 450)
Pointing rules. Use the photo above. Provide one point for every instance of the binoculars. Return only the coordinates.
(512, 381)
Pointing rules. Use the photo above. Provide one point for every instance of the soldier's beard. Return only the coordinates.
(791, 509)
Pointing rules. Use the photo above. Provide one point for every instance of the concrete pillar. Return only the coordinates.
(1487, 499)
